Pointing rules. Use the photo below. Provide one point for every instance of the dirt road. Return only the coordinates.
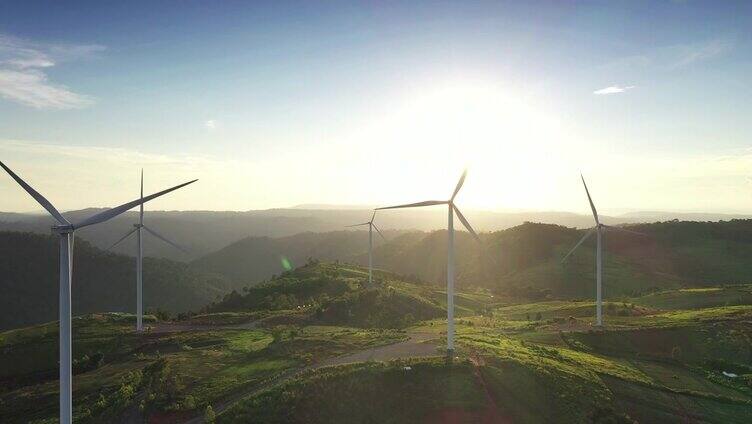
(417, 345)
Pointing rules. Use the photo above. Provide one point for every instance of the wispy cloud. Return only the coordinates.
(23, 77)
(683, 55)
(670, 57)
(210, 124)
(614, 89)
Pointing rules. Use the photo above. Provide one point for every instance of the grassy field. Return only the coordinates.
(682, 353)
(165, 375)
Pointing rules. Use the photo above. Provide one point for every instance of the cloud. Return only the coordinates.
(669, 58)
(683, 55)
(210, 124)
(614, 89)
(23, 77)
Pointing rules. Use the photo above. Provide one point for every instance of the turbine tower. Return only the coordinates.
(371, 227)
(66, 232)
(140, 257)
(599, 229)
(452, 209)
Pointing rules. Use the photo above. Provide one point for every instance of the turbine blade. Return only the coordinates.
(38, 197)
(111, 213)
(611, 227)
(154, 233)
(373, 216)
(123, 238)
(415, 205)
(357, 225)
(465, 223)
(592, 206)
(377, 230)
(141, 206)
(588, 234)
(459, 184)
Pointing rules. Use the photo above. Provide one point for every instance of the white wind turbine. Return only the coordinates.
(140, 257)
(66, 232)
(452, 209)
(599, 229)
(371, 227)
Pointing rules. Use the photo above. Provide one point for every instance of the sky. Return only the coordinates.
(284, 103)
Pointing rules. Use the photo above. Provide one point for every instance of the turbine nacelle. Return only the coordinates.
(450, 251)
(453, 207)
(66, 232)
(62, 229)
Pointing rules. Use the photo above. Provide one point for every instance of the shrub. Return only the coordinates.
(676, 353)
(209, 415)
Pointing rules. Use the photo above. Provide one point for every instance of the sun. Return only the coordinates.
(497, 132)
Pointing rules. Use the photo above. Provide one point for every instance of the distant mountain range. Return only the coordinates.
(522, 261)
(203, 232)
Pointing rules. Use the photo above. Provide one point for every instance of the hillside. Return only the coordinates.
(257, 258)
(524, 260)
(203, 232)
(672, 354)
(102, 281)
(334, 294)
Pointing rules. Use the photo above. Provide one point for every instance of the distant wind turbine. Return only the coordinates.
(66, 232)
(599, 229)
(371, 227)
(140, 257)
(452, 209)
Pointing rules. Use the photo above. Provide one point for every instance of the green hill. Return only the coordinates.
(254, 259)
(102, 281)
(523, 261)
(662, 356)
(334, 294)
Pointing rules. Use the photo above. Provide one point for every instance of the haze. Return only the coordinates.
(294, 103)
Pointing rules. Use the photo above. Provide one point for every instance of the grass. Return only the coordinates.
(165, 374)
(367, 392)
(660, 356)
(694, 298)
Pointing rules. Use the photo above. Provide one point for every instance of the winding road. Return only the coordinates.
(418, 344)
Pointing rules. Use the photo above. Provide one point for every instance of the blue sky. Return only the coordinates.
(282, 103)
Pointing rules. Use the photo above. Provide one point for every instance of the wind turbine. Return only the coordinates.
(371, 227)
(140, 257)
(66, 232)
(452, 209)
(599, 229)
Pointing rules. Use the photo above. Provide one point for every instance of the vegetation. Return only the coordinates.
(524, 261)
(164, 376)
(260, 356)
(333, 294)
(103, 281)
(401, 392)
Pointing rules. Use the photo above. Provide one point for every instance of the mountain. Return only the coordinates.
(254, 259)
(524, 260)
(102, 281)
(653, 216)
(203, 232)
